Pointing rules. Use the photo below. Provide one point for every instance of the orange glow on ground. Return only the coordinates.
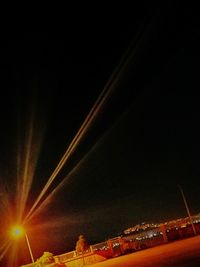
(180, 253)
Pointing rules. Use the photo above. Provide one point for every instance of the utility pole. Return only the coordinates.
(187, 208)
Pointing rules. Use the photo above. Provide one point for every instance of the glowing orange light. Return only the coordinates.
(17, 231)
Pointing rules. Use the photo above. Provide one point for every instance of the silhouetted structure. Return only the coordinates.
(81, 245)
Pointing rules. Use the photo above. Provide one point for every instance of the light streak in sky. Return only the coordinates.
(97, 108)
(26, 178)
(27, 158)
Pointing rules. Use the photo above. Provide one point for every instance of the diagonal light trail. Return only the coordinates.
(80, 134)
(26, 166)
(50, 196)
(78, 137)
(94, 112)
(25, 181)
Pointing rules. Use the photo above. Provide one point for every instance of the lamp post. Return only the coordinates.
(187, 208)
(29, 247)
(18, 231)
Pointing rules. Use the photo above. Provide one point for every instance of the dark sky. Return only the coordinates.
(143, 142)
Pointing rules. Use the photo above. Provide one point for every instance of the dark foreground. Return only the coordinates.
(180, 253)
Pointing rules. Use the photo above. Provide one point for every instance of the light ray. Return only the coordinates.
(94, 112)
(4, 248)
(25, 181)
(52, 194)
(26, 166)
(12, 259)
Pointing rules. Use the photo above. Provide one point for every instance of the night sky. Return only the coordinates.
(143, 142)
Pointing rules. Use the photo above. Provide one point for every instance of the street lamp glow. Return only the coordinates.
(17, 231)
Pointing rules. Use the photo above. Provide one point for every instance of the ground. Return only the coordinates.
(181, 253)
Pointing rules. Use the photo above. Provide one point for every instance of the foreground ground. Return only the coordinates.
(177, 254)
